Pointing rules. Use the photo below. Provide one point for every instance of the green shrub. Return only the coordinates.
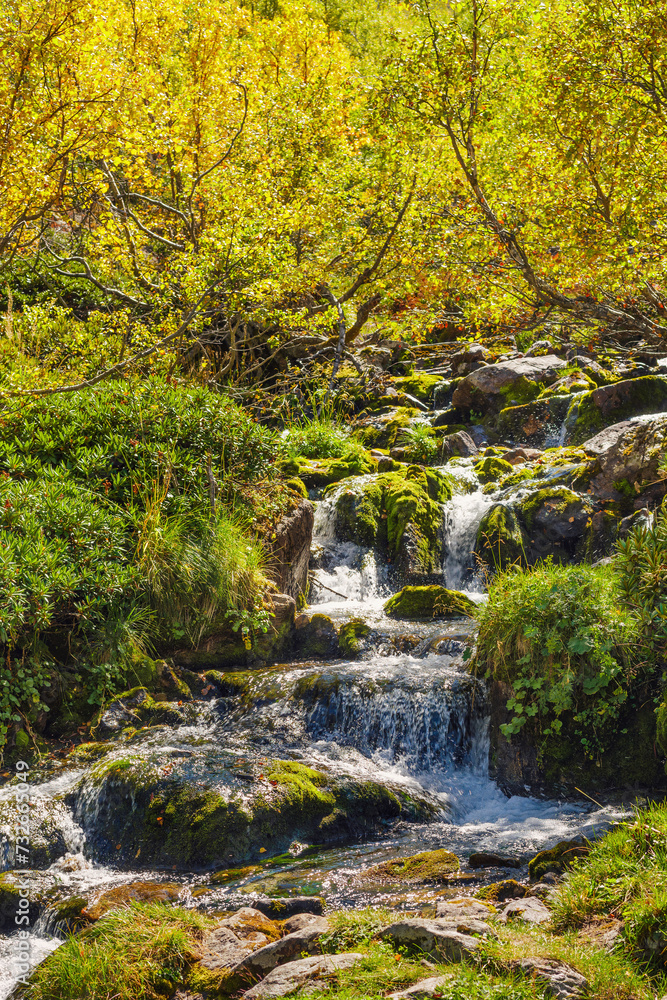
(420, 443)
(561, 638)
(321, 437)
(642, 563)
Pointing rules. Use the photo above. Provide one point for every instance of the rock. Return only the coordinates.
(463, 909)
(610, 404)
(498, 892)
(482, 859)
(316, 638)
(539, 348)
(435, 938)
(627, 453)
(420, 385)
(248, 921)
(507, 383)
(351, 635)
(311, 973)
(381, 428)
(500, 538)
(222, 950)
(555, 516)
(517, 456)
(298, 922)
(558, 858)
(536, 424)
(529, 909)
(259, 963)
(429, 602)
(280, 908)
(114, 899)
(559, 979)
(460, 444)
(491, 468)
(428, 866)
(422, 990)
(442, 394)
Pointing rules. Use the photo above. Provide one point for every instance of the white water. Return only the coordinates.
(463, 514)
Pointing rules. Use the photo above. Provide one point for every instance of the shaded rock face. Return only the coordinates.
(611, 404)
(629, 453)
(492, 387)
(291, 550)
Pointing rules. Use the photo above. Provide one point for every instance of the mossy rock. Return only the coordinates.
(557, 859)
(593, 411)
(298, 485)
(500, 540)
(399, 513)
(316, 473)
(381, 429)
(70, 914)
(490, 469)
(317, 639)
(499, 892)
(430, 601)
(121, 895)
(349, 636)
(421, 385)
(429, 866)
(535, 422)
(570, 384)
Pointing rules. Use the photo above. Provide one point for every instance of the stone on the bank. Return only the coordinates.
(422, 990)
(428, 602)
(433, 937)
(282, 907)
(286, 949)
(222, 950)
(484, 859)
(248, 921)
(558, 858)
(463, 909)
(610, 404)
(559, 979)
(628, 455)
(307, 972)
(506, 383)
(428, 866)
(460, 444)
(121, 895)
(529, 909)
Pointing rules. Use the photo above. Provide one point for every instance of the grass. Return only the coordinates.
(322, 437)
(563, 639)
(139, 952)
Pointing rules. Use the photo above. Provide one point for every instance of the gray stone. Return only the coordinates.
(630, 450)
(265, 959)
(313, 972)
(282, 907)
(463, 909)
(489, 388)
(460, 444)
(530, 909)
(298, 922)
(222, 949)
(559, 979)
(422, 990)
(436, 938)
(483, 859)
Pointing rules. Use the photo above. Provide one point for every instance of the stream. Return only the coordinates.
(405, 714)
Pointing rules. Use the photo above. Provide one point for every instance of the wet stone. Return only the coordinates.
(281, 908)
(300, 975)
(484, 860)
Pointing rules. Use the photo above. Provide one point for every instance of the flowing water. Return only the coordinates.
(405, 714)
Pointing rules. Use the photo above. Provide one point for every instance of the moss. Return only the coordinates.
(85, 753)
(559, 499)
(317, 639)
(593, 411)
(326, 471)
(145, 892)
(210, 983)
(500, 540)
(298, 486)
(428, 866)
(499, 892)
(233, 874)
(573, 382)
(381, 430)
(521, 391)
(557, 859)
(349, 635)
(429, 602)
(70, 914)
(421, 385)
(492, 468)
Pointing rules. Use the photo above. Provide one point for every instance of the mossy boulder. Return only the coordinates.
(499, 892)
(609, 404)
(381, 428)
(430, 601)
(536, 423)
(122, 895)
(507, 383)
(491, 468)
(315, 638)
(556, 520)
(557, 859)
(399, 513)
(135, 708)
(316, 473)
(573, 382)
(500, 538)
(350, 635)
(428, 866)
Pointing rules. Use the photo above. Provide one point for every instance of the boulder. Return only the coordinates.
(262, 961)
(492, 468)
(313, 973)
(628, 453)
(558, 858)
(279, 908)
(500, 538)
(122, 895)
(484, 859)
(435, 938)
(517, 456)
(499, 892)
(428, 866)
(381, 428)
(610, 404)
(222, 950)
(507, 383)
(530, 909)
(315, 638)
(431, 601)
(458, 444)
(422, 990)
(557, 979)
(463, 909)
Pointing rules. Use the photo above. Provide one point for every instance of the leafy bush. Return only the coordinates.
(560, 637)
(642, 562)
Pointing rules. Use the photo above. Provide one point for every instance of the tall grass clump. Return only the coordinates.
(321, 437)
(642, 563)
(564, 641)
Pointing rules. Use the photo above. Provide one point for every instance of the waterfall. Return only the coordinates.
(462, 517)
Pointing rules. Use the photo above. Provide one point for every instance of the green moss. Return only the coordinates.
(491, 468)
(428, 866)
(559, 499)
(381, 430)
(349, 635)
(323, 472)
(500, 541)
(298, 486)
(520, 392)
(499, 892)
(631, 398)
(317, 639)
(429, 602)
(421, 385)
(557, 859)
